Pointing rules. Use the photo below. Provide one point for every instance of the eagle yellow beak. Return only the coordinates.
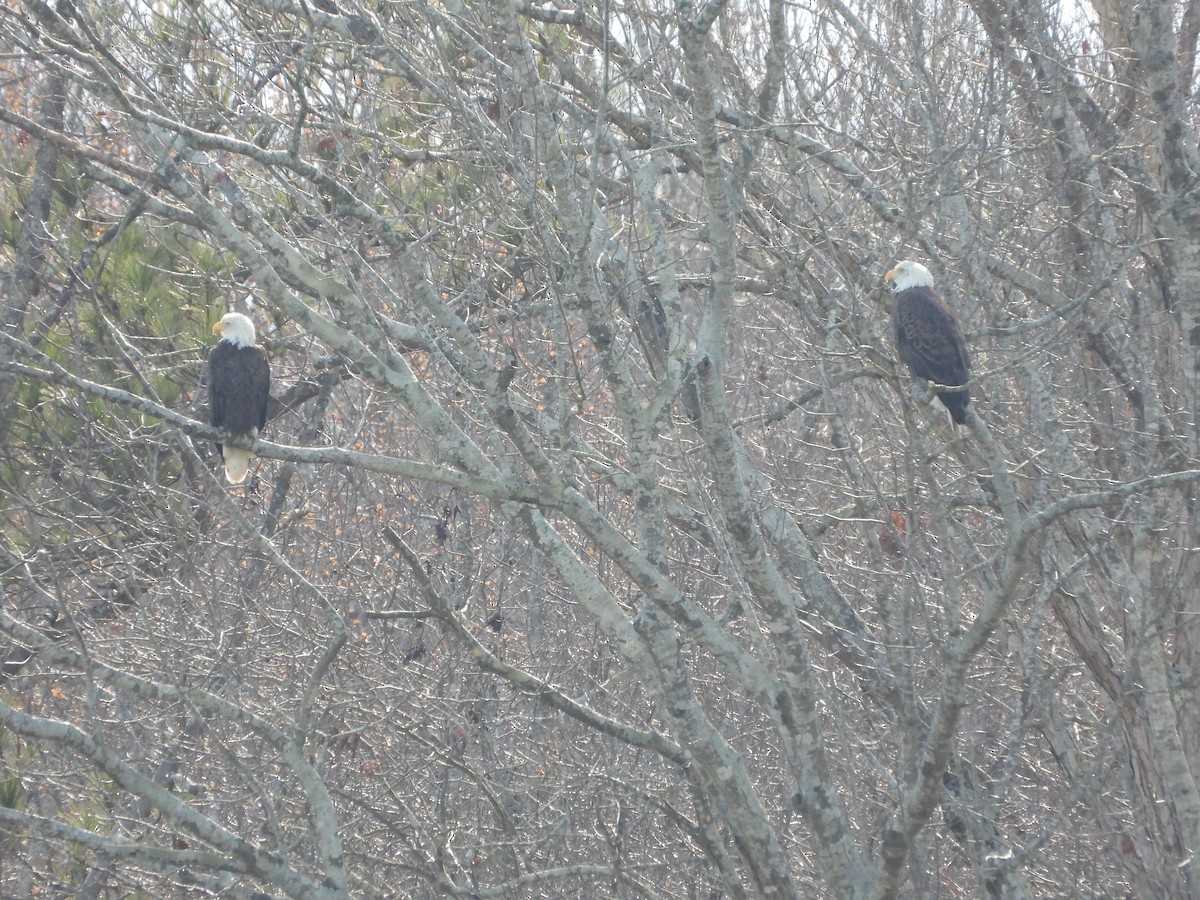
(216, 329)
(889, 277)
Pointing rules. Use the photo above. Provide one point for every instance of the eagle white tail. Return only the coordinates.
(237, 463)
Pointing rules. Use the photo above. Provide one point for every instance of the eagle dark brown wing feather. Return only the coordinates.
(930, 343)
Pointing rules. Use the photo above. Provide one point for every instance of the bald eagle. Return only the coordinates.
(927, 336)
(239, 380)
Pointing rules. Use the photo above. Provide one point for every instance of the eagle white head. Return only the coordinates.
(235, 328)
(908, 274)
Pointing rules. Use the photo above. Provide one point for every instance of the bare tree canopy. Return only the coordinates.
(598, 543)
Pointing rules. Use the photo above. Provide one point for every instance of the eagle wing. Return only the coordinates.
(260, 375)
(928, 338)
(931, 345)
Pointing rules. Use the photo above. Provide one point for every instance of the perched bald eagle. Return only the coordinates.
(239, 380)
(927, 336)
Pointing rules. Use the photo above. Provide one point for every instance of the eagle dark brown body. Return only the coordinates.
(239, 382)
